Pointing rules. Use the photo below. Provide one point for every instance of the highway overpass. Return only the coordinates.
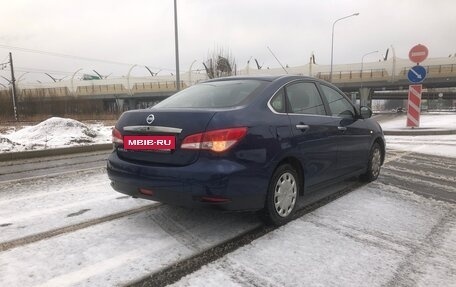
(365, 80)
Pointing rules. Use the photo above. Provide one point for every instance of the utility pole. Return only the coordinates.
(13, 83)
(177, 47)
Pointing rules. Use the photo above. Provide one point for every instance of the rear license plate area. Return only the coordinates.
(150, 143)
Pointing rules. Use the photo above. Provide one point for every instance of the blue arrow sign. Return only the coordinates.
(416, 74)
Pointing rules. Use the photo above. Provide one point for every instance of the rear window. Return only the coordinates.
(221, 94)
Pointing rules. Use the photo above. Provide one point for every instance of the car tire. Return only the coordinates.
(374, 164)
(282, 196)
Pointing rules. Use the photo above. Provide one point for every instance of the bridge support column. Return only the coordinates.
(120, 104)
(131, 104)
(365, 99)
(353, 98)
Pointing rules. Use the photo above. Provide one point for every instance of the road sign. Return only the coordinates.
(418, 53)
(414, 105)
(416, 74)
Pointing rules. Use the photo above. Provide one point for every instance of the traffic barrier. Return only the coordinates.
(414, 106)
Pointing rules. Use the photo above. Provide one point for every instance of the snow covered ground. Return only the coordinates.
(440, 120)
(441, 145)
(53, 133)
(378, 235)
(111, 252)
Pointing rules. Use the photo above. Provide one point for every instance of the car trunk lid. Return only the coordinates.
(178, 123)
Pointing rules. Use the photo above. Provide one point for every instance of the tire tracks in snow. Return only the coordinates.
(426, 175)
(176, 271)
(4, 246)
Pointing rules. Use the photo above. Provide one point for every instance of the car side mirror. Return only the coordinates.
(365, 112)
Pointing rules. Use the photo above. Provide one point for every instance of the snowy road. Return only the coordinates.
(71, 229)
(375, 236)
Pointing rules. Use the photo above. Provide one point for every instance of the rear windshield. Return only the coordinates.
(220, 94)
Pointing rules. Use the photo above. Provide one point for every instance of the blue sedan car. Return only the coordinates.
(245, 143)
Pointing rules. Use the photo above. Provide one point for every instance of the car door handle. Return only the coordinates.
(342, 129)
(302, 127)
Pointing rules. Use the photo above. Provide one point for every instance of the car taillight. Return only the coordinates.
(218, 140)
(117, 137)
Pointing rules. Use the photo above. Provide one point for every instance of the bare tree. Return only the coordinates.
(220, 64)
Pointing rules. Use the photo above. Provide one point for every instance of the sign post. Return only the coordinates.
(416, 75)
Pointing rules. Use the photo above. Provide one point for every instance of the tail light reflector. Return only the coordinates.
(211, 199)
(146, 191)
(217, 140)
(117, 137)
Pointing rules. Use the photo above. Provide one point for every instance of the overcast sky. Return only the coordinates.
(142, 31)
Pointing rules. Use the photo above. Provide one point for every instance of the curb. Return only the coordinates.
(53, 152)
(417, 132)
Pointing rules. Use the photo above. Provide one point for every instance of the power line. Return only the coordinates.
(72, 56)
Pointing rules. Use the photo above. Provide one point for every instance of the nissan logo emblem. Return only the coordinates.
(150, 119)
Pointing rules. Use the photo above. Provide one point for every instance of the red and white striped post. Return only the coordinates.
(414, 106)
(416, 75)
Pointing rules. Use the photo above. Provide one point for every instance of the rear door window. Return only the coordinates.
(304, 98)
(278, 102)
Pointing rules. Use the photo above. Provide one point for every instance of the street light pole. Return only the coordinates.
(332, 42)
(176, 41)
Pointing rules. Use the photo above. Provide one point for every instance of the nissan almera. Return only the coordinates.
(245, 143)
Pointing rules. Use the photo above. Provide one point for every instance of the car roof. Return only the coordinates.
(268, 78)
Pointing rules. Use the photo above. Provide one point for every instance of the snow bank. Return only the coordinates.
(53, 133)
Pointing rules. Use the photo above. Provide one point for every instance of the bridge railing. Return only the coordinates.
(99, 89)
(44, 92)
(157, 87)
(356, 75)
(434, 70)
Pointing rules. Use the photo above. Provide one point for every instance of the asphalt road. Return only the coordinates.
(425, 175)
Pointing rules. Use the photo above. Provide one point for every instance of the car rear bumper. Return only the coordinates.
(203, 183)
